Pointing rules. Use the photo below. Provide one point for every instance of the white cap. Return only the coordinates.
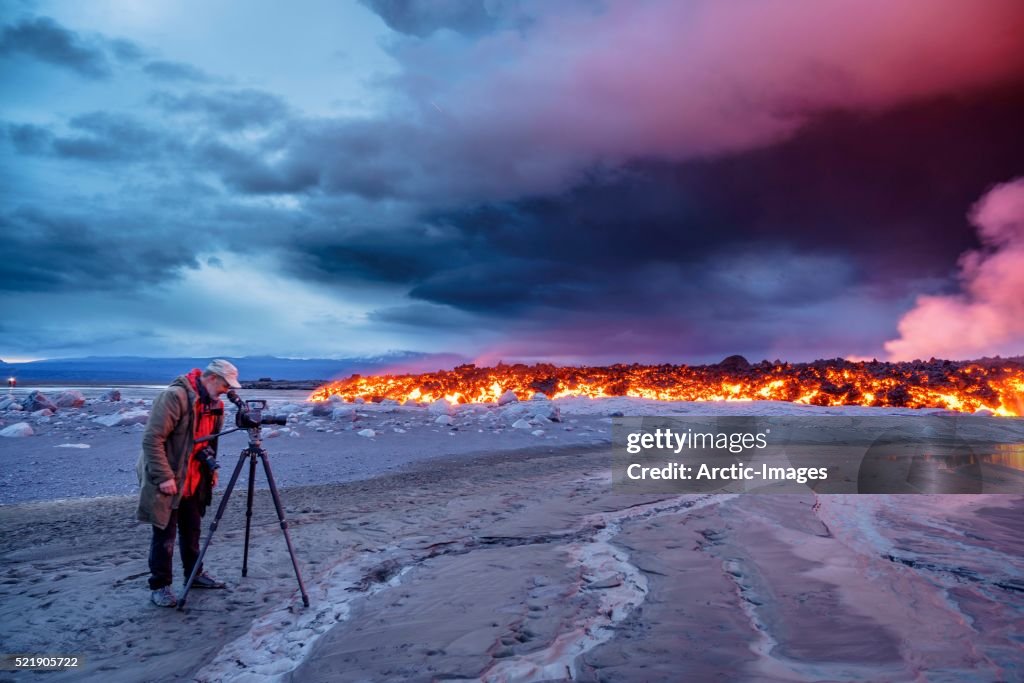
(229, 372)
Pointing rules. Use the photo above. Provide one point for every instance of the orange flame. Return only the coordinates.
(997, 386)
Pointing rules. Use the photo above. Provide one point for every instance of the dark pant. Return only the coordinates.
(185, 522)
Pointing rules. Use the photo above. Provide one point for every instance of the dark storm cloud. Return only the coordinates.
(385, 255)
(100, 137)
(28, 138)
(854, 210)
(470, 17)
(50, 251)
(109, 137)
(44, 39)
(126, 51)
(229, 109)
(422, 315)
(175, 71)
(247, 171)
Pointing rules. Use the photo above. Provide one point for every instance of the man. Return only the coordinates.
(176, 483)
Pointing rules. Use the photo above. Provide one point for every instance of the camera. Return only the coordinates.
(208, 457)
(250, 415)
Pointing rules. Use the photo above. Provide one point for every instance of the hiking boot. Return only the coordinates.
(164, 597)
(204, 580)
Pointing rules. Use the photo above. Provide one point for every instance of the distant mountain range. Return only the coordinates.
(140, 370)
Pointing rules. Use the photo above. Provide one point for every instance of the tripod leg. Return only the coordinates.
(284, 524)
(248, 515)
(213, 527)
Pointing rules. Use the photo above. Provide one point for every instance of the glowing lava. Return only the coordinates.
(994, 385)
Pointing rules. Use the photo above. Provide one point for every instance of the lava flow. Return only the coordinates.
(969, 386)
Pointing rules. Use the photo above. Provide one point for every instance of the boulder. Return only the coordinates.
(368, 433)
(444, 420)
(547, 412)
(45, 412)
(37, 401)
(344, 413)
(521, 424)
(129, 417)
(440, 407)
(112, 395)
(321, 409)
(508, 397)
(9, 403)
(70, 399)
(736, 363)
(17, 429)
(540, 396)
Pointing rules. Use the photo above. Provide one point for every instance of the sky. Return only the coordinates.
(583, 181)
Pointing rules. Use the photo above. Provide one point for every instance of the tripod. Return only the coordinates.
(252, 451)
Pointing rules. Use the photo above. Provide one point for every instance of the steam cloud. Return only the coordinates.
(987, 316)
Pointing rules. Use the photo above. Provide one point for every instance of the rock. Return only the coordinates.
(540, 396)
(514, 411)
(335, 398)
(508, 397)
(734, 363)
(272, 434)
(17, 429)
(390, 402)
(548, 412)
(532, 410)
(984, 412)
(521, 424)
(70, 399)
(9, 403)
(37, 401)
(612, 581)
(548, 385)
(616, 413)
(444, 420)
(347, 413)
(129, 417)
(112, 395)
(321, 409)
(538, 432)
(45, 412)
(368, 433)
(440, 407)
(288, 409)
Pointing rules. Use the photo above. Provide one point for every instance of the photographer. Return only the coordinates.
(177, 475)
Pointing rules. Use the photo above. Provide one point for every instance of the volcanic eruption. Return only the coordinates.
(995, 385)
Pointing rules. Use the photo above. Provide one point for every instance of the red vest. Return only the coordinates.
(204, 423)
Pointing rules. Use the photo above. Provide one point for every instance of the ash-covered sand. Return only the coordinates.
(504, 555)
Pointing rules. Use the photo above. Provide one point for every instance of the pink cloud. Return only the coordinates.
(987, 317)
(678, 80)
